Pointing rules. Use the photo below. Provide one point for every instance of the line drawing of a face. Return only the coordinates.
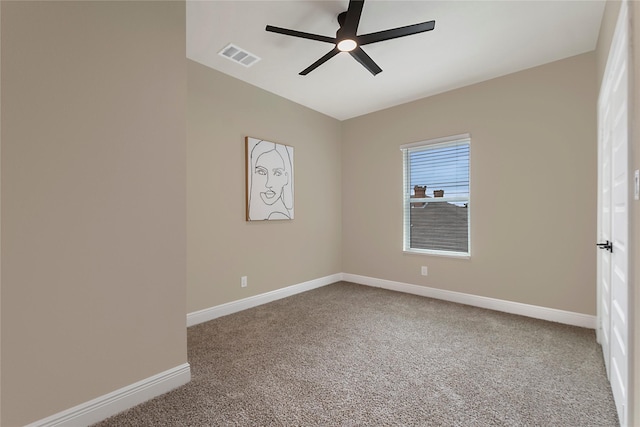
(271, 180)
(271, 176)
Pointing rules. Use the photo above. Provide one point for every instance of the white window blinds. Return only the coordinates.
(436, 196)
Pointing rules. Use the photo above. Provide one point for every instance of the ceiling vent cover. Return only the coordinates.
(239, 55)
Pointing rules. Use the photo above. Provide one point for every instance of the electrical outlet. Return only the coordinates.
(424, 270)
(243, 281)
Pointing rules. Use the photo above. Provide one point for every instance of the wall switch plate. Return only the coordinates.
(636, 185)
(424, 271)
(243, 281)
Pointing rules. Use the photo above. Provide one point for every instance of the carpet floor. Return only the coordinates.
(351, 355)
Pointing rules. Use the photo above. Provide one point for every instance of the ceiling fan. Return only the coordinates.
(346, 39)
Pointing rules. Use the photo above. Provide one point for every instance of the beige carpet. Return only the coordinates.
(350, 355)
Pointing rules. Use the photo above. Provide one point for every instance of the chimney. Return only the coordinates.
(419, 192)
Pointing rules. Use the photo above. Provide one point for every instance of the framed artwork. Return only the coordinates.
(269, 168)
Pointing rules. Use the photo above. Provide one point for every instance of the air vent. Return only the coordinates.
(239, 55)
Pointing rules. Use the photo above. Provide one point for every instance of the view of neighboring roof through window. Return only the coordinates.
(436, 196)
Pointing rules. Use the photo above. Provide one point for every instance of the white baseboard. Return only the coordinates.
(536, 312)
(110, 404)
(113, 403)
(211, 313)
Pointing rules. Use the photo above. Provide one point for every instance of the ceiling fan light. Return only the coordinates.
(347, 45)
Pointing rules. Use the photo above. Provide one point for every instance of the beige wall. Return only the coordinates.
(533, 179)
(93, 200)
(222, 246)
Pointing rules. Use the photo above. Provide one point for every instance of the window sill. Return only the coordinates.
(458, 255)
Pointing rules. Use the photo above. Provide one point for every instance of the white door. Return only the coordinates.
(613, 215)
(604, 222)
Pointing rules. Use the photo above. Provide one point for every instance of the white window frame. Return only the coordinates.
(407, 199)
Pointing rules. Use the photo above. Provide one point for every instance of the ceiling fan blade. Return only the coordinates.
(320, 61)
(351, 21)
(395, 33)
(300, 34)
(365, 60)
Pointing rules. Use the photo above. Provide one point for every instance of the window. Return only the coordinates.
(436, 196)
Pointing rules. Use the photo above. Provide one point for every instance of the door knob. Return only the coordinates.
(607, 246)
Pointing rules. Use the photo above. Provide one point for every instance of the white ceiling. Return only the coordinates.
(472, 41)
